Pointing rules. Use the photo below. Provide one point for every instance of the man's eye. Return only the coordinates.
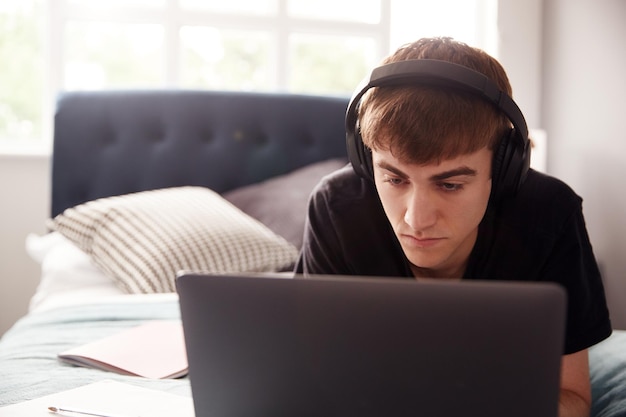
(394, 181)
(448, 186)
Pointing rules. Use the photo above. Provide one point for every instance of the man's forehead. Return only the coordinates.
(465, 164)
(390, 156)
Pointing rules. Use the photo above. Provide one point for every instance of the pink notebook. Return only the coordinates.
(154, 350)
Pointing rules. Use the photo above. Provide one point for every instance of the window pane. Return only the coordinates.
(262, 7)
(365, 11)
(225, 59)
(328, 64)
(21, 69)
(111, 55)
(414, 19)
(117, 3)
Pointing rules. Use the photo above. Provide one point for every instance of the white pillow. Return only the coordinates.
(143, 240)
(67, 273)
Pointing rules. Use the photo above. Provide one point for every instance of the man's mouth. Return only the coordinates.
(421, 242)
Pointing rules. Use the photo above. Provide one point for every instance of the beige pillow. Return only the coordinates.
(142, 240)
(281, 202)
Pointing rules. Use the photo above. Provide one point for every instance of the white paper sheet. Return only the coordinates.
(107, 397)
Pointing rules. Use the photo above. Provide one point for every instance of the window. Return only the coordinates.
(21, 76)
(235, 59)
(300, 46)
(102, 55)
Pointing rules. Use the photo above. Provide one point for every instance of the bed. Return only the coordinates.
(146, 183)
(208, 162)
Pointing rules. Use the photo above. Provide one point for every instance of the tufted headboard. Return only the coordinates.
(117, 142)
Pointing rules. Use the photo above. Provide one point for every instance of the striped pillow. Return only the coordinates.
(142, 240)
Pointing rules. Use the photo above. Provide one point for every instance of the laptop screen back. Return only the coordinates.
(349, 346)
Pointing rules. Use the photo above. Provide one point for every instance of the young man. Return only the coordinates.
(439, 187)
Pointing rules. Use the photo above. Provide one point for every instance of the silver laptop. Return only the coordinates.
(262, 346)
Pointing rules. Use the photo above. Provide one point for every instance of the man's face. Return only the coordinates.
(435, 209)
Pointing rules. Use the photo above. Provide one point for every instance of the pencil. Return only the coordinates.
(60, 410)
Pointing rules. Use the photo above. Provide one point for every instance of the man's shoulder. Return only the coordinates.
(344, 186)
(343, 196)
(545, 191)
(543, 203)
(341, 177)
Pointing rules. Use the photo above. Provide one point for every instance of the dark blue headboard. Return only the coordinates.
(111, 143)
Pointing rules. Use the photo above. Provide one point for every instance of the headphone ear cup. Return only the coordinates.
(365, 156)
(511, 162)
(496, 167)
(358, 154)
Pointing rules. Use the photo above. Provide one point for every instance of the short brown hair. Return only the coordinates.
(421, 123)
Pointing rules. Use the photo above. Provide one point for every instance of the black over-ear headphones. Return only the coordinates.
(511, 159)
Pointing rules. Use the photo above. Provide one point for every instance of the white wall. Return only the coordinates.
(566, 60)
(519, 51)
(25, 191)
(584, 101)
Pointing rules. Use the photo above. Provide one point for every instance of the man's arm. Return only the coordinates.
(575, 397)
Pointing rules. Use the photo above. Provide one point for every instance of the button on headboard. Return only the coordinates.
(111, 143)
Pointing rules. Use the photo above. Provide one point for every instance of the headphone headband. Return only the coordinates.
(437, 73)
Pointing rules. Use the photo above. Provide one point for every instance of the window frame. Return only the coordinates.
(172, 16)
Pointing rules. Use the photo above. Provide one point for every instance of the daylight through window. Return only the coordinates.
(300, 46)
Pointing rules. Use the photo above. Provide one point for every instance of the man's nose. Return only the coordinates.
(421, 210)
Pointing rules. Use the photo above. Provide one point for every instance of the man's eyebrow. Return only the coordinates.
(453, 173)
(388, 167)
(463, 170)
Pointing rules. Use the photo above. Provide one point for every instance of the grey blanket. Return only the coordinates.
(607, 366)
(29, 367)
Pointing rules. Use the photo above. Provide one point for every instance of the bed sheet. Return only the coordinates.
(75, 303)
(28, 351)
(607, 363)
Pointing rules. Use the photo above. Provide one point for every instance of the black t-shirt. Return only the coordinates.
(538, 235)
